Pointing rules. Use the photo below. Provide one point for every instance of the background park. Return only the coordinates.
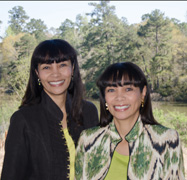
(157, 44)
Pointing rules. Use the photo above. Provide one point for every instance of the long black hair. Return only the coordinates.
(130, 74)
(50, 51)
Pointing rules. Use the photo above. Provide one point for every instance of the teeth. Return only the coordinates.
(56, 83)
(121, 107)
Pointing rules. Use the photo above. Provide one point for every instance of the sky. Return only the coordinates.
(53, 13)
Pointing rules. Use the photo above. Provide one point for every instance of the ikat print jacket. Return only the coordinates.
(155, 153)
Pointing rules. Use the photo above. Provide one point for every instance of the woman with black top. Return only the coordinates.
(43, 133)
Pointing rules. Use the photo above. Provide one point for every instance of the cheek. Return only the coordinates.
(42, 75)
(135, 98)
(67, 72)
(108, 99)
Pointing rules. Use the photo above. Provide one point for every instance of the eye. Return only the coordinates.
(128, 89)
(110, 90)
(45, 67)
(62, 64)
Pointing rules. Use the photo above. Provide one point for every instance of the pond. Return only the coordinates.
(170, 106)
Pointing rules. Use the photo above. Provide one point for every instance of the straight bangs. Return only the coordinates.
(52, 51)
(120, 75)
(48, 58)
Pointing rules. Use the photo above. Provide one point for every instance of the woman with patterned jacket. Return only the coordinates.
(130, 144)
(43, 133)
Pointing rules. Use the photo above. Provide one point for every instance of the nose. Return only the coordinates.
(55, 69)
(120, 95)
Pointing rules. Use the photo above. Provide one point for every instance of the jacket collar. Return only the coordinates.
(134, 133)
(52, 107)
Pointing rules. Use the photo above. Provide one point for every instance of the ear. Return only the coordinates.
(36, 72)
(144, 91)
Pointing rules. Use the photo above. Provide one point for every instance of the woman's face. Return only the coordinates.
(55, 78)
(124, 102)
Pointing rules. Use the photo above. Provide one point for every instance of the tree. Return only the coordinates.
(37, 28)
(16, 50)
(8, 47)
(155, 33)
(25, 46)
(18, 19)
(106, 41)
(67, 31)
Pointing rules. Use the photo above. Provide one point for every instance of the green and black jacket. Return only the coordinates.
(155, 153)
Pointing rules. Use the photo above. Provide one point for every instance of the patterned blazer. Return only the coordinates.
(155, 153)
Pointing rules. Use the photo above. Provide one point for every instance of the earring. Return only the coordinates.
(106, 106)
(142, 103)
(39, 82)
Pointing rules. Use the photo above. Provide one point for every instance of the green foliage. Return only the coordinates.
(17, 77)
(25, 46)
(8, 105)
(174, 120)
(157, 44)
(180, 89)
(109, 40)
(156, 47)
(37, 28)
(68, 32)
(18, 19)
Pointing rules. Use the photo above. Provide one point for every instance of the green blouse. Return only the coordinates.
(118, 167)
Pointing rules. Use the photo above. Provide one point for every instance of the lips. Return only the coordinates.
(121, 107)
(56, 83)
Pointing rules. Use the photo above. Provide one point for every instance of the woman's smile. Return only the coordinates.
(56, 83)
(121, 107)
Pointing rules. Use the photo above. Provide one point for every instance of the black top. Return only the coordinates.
(34, 148)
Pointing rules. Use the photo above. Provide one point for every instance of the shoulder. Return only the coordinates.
(162, 132)
(25, 113)
(88, 105)
(93, 132)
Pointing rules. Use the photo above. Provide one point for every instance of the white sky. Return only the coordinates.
(53, 13)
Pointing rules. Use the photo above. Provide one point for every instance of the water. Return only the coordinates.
(170, 106)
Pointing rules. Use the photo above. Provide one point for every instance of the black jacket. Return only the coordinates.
(34, 148)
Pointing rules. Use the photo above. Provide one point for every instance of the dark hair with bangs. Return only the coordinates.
(126, 73)
(50, 51)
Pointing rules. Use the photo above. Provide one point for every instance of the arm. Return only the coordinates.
(174, 163)
(79, 159)
(181, 170)
(16, 155)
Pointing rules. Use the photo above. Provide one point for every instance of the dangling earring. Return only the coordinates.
(142, 103)
(106, 106)
(39, 82)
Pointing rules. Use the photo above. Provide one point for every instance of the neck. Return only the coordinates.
(124, 126)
